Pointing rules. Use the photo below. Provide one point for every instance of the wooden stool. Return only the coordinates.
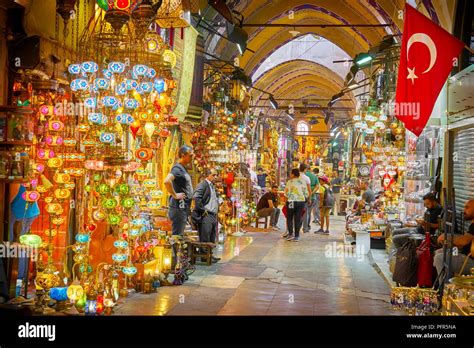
(202, 250)
(265, 222)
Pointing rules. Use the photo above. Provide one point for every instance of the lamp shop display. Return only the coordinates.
(91, 146)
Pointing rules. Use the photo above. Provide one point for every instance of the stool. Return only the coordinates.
(265, 222)
(202, 250)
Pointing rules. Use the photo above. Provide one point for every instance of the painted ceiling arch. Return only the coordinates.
(308, 47)
(298, 79)
(330, 12)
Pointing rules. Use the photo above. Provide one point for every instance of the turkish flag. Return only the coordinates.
(426, 58)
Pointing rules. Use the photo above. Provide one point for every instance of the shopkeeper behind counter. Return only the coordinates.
(464, 244)
(435, 210)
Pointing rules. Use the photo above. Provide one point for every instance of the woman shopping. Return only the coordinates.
(296, 192)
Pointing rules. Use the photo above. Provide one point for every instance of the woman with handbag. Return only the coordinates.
(296, 192)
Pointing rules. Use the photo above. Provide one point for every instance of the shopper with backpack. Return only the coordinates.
(326, 203)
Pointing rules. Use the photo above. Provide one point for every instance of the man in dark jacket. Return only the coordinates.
(206, 207)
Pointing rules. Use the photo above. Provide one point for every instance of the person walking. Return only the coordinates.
(336, 184)
(316, 210)
(326, 199)
(206, 208)
(314, 183)
(297, 194)
(179, 185)
(268, 206)
(306, 179)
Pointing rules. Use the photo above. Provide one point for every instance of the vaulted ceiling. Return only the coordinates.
(287, 76)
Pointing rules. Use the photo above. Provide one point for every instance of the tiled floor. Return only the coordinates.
(262, 274)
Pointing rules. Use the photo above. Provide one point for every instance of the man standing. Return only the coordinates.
(206, 207)
(314, 183)
(326, 203)
(268, 206)
(464, 244)
(336, 184)
(316, 211)
(179, 186)
(308, 202)
(368, 196)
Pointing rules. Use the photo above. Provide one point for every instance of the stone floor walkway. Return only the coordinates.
(262, 274)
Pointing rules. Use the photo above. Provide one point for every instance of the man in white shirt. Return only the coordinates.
(308, 201)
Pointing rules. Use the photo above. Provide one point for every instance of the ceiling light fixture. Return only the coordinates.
(273, 102)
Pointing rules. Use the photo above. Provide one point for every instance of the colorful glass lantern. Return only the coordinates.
(116, 67)
(55, 126)
(139, 70)
(54, 140)
(83, 237)
(31, 240)
(91, 307)
(74, 69)
(58, 294)
(79, 85)
(119, 258)
(32, 196)
(129, 271)
(54, 208)
(127, 202)
(107, 138)
(97, 118)
(131, 166)
(99, 215)
(156, 194)
(131, 104)
(83, 127)
(121, 244)
(62, 194)
(167, 255)
(50, 232)
(90, 67)
(58, 220)
(149, 183)
(61, 178)
(55, 162)
(114, 219)
(90, 102)
(153, 205)
(144, 154)
(159, 85)
(134, 232)
(75, 292)
(94, 165)
(45, 154)
(124, 119)
(101, 83)
(122, 189)
(130, 84)
(146, 87)
(109, 203)
(151, 73)
(110, 102)
(70, 142)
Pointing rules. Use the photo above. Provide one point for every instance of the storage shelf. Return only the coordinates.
(13, 181)
(16, 143)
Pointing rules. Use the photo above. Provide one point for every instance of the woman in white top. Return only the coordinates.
(296, 192)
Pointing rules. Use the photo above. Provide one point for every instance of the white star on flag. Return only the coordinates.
(411, 75)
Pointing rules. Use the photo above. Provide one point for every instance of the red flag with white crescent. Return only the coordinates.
(427, 56)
